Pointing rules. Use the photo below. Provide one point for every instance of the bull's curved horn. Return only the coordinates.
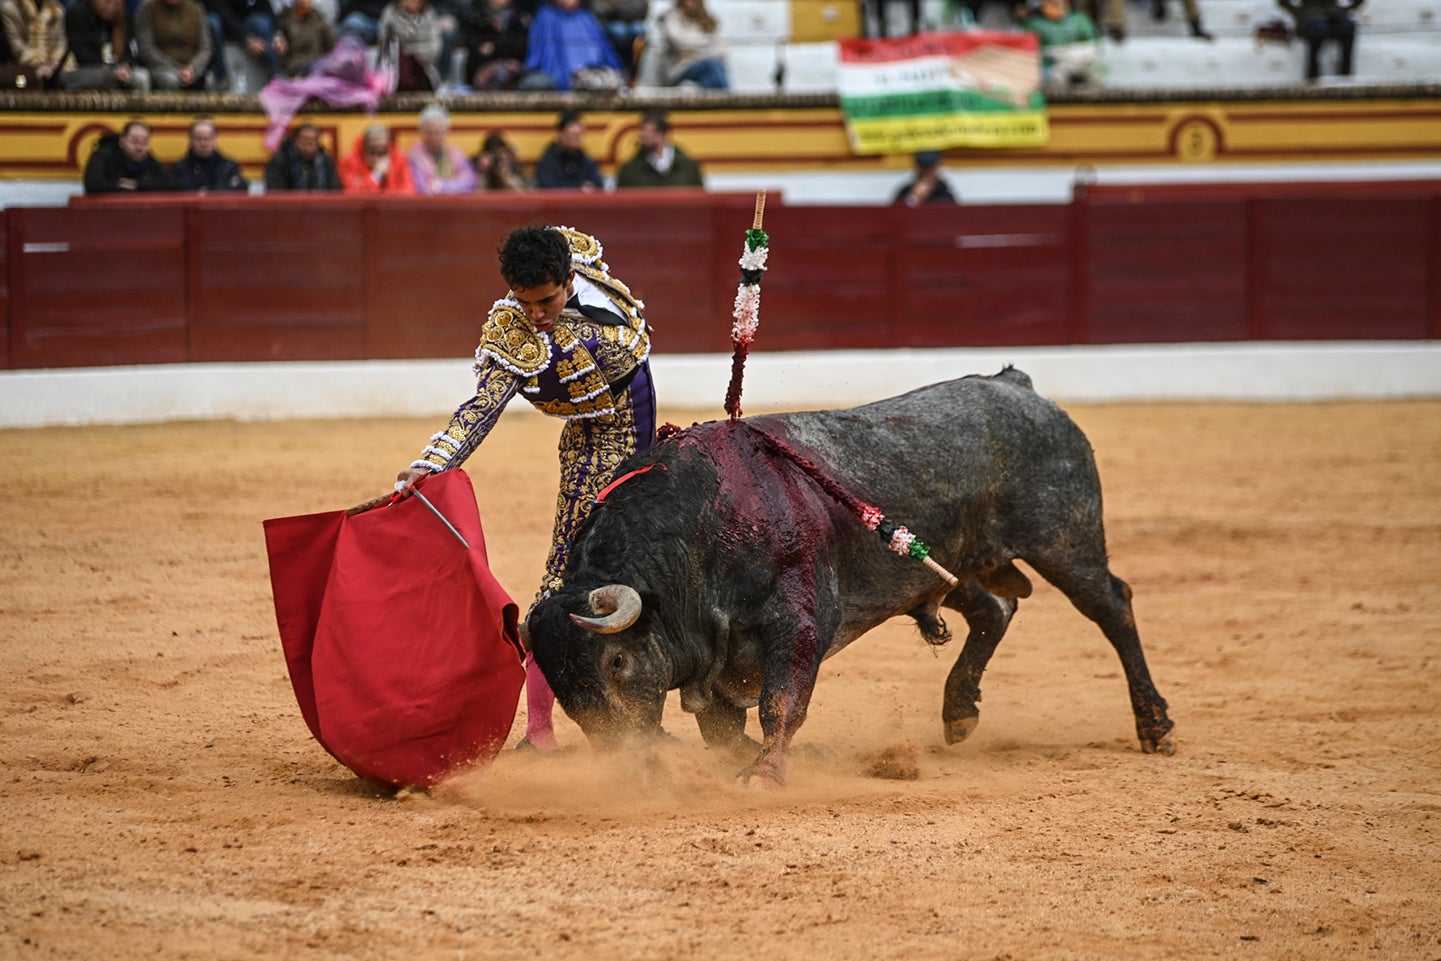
(618, 602)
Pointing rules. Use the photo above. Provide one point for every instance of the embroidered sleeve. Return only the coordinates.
(495, 386)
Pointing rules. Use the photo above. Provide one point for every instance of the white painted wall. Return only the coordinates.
(433, 388)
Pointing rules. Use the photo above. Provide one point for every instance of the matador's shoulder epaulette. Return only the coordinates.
(511, 341)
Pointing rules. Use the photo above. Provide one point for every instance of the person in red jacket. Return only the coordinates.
(375, 166)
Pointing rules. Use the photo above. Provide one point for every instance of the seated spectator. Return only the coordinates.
(204, 169)
(624, 21)
(927, 186)
(249, 24)
(410, 38)
(1070, 45)
(495, 35)
(498, 165)
(301, 163)
(302, 36)
(1322, 21)
(565, 165)
(174, 43)
(122, 163)
(436, 165)
(571, 50)
(35, 34)
(1115, 18)
(1159, 14)
(877, 9)
(376, 165)
(692, 51)
(100, 36)
(361, 18)
(658, 162)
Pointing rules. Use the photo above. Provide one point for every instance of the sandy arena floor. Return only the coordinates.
(162, 797)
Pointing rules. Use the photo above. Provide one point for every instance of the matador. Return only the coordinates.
(573, 341)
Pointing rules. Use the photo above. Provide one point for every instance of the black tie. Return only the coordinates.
(598, 314)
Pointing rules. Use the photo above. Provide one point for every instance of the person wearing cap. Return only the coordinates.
(571, 339)
(927, 186)
(658, 162)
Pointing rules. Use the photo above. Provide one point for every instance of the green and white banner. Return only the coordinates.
(977, 88)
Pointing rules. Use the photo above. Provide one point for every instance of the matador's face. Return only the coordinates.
(543, 304)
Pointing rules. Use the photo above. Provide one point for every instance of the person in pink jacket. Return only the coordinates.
(436, 165)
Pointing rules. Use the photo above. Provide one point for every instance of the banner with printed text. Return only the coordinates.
(977, 88)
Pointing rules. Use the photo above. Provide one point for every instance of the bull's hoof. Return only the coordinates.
(960, 729)
(760, 777)
(1159, 743)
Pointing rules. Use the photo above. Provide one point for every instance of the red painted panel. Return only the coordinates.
(1166, 271)
(276, 281)
(828, 284)
(981, 276)
(97, 287)
(1343, 268)
(4, 290)
(431, 276)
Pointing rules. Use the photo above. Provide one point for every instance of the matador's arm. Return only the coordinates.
(470, 424)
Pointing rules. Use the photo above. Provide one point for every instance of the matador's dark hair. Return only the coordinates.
(534, 256)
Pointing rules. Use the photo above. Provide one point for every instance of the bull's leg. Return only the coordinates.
(789, 680)
(987, 616)
(1106, 599)
(723, 726)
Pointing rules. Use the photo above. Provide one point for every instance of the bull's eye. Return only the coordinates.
(617, 664)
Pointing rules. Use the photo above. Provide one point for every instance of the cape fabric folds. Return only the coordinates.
(402, 648)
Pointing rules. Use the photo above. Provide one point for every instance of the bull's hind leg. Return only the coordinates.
(987, 616)
(1106, 599)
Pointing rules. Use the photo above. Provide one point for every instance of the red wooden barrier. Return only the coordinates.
(306, 277)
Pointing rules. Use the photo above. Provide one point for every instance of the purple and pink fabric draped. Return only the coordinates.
(341, 78)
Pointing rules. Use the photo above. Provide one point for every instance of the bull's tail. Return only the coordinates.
(1010, 375)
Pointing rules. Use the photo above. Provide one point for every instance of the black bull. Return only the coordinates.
(727, 572)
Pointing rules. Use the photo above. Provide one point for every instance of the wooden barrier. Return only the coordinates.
(173, 278)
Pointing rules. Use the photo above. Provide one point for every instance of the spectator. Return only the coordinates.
(658, 162)
(624, 21)
(100, 33)
(927, 186)
(302, 36)
(1070, 46)
(693, 52)
(174, 43)
(1318, 21)
(361, 18)
(1116, 18)
(498, 166)
(877, 10)
(570, 49)
(565, 165)
(496, 37)
(122, 163)
(410, 37)
(301, 163)
(247, 23)
(376, 166)
(205, 169)
(438, 166)
(35, 33)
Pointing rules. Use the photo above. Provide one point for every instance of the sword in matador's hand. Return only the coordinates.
(401, 488)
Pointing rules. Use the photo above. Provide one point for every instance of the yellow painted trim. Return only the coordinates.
(55, 145)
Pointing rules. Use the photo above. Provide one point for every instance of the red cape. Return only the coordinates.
(402, 648)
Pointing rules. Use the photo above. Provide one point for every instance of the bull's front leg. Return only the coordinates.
(790, 678)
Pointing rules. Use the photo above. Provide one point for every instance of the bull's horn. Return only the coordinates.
(619, 603)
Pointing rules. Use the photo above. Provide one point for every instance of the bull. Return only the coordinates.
(719, 568)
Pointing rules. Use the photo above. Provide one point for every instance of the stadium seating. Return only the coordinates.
(781, 47)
